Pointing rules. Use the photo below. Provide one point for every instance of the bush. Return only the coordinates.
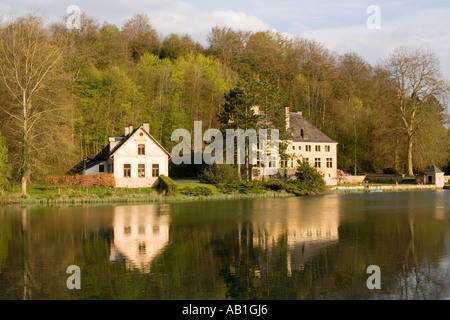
(309, 179)
(82, 181)
(243, 187)
(167, 186)
(275, 185)
(219, 174)
(196, 191)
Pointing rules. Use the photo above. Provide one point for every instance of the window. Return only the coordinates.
(302, 133)
(308, 148)
(273, 163)
(317, 148)
(327, 148)
(155, 170)
(141, 149)
(127, 170)
(141, 170)
(293, 147)
(329, 162)
(307, 160)
(101, 168)
(317, 162)
(142, 248)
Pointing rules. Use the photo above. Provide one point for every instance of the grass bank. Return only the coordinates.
(41, 195)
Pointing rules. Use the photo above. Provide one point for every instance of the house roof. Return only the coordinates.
(434, 169)
(107, 152)
(310, 133)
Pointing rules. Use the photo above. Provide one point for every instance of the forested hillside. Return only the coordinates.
(64, 92)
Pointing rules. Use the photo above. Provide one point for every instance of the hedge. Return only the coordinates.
(167, 186)
(84, 181)
(196, 191)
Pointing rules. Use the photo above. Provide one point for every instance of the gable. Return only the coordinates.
(129, 146)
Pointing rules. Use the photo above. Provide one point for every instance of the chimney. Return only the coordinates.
(286, 114)
(300, 112)
(130, 129)
(127, 130)
(112, 143)
(146, 127)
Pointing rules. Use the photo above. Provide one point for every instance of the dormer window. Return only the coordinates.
(302, 133)
(141, 149)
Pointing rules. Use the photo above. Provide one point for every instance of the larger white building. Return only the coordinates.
(309, 144)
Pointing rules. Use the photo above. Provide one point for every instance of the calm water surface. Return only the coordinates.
(286, 248)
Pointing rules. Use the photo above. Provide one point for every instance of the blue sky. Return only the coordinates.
(340, 25)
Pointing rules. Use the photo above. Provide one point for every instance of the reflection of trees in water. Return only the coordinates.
(220, 254)
(405, 248)
(420, 276)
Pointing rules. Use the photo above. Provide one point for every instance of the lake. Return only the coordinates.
(316, 247)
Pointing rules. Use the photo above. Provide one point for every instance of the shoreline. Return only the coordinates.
(133, 198)
(141, 200)
(387, 188)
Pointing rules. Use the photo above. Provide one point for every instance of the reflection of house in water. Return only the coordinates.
(304, 226)
(140, 233)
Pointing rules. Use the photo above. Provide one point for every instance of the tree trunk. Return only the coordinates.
(410, 159)
(24, 186)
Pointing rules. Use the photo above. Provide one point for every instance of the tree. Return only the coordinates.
(309, 178)
(28, 61)
(141, 36)
(237, 114)
(5, 167)
(175, 46)
(417, 79)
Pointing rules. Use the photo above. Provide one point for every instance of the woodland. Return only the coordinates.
(63, 92)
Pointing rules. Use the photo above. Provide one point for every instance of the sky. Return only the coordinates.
(340, 25)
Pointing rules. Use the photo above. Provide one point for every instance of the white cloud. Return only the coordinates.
(429, 28)
(182, 17)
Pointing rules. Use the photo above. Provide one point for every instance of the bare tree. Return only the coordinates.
(28, 60)
(416, 75)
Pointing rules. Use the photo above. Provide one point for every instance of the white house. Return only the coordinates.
(434, 175)
(309, 144)
(136, 159)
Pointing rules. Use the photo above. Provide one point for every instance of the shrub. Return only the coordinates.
(219, 174)
(275, 185)
(309, 178)
(167, 186)
(243, 187)
(196, 191)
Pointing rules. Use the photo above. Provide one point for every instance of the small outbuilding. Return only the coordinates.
(434, 175)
